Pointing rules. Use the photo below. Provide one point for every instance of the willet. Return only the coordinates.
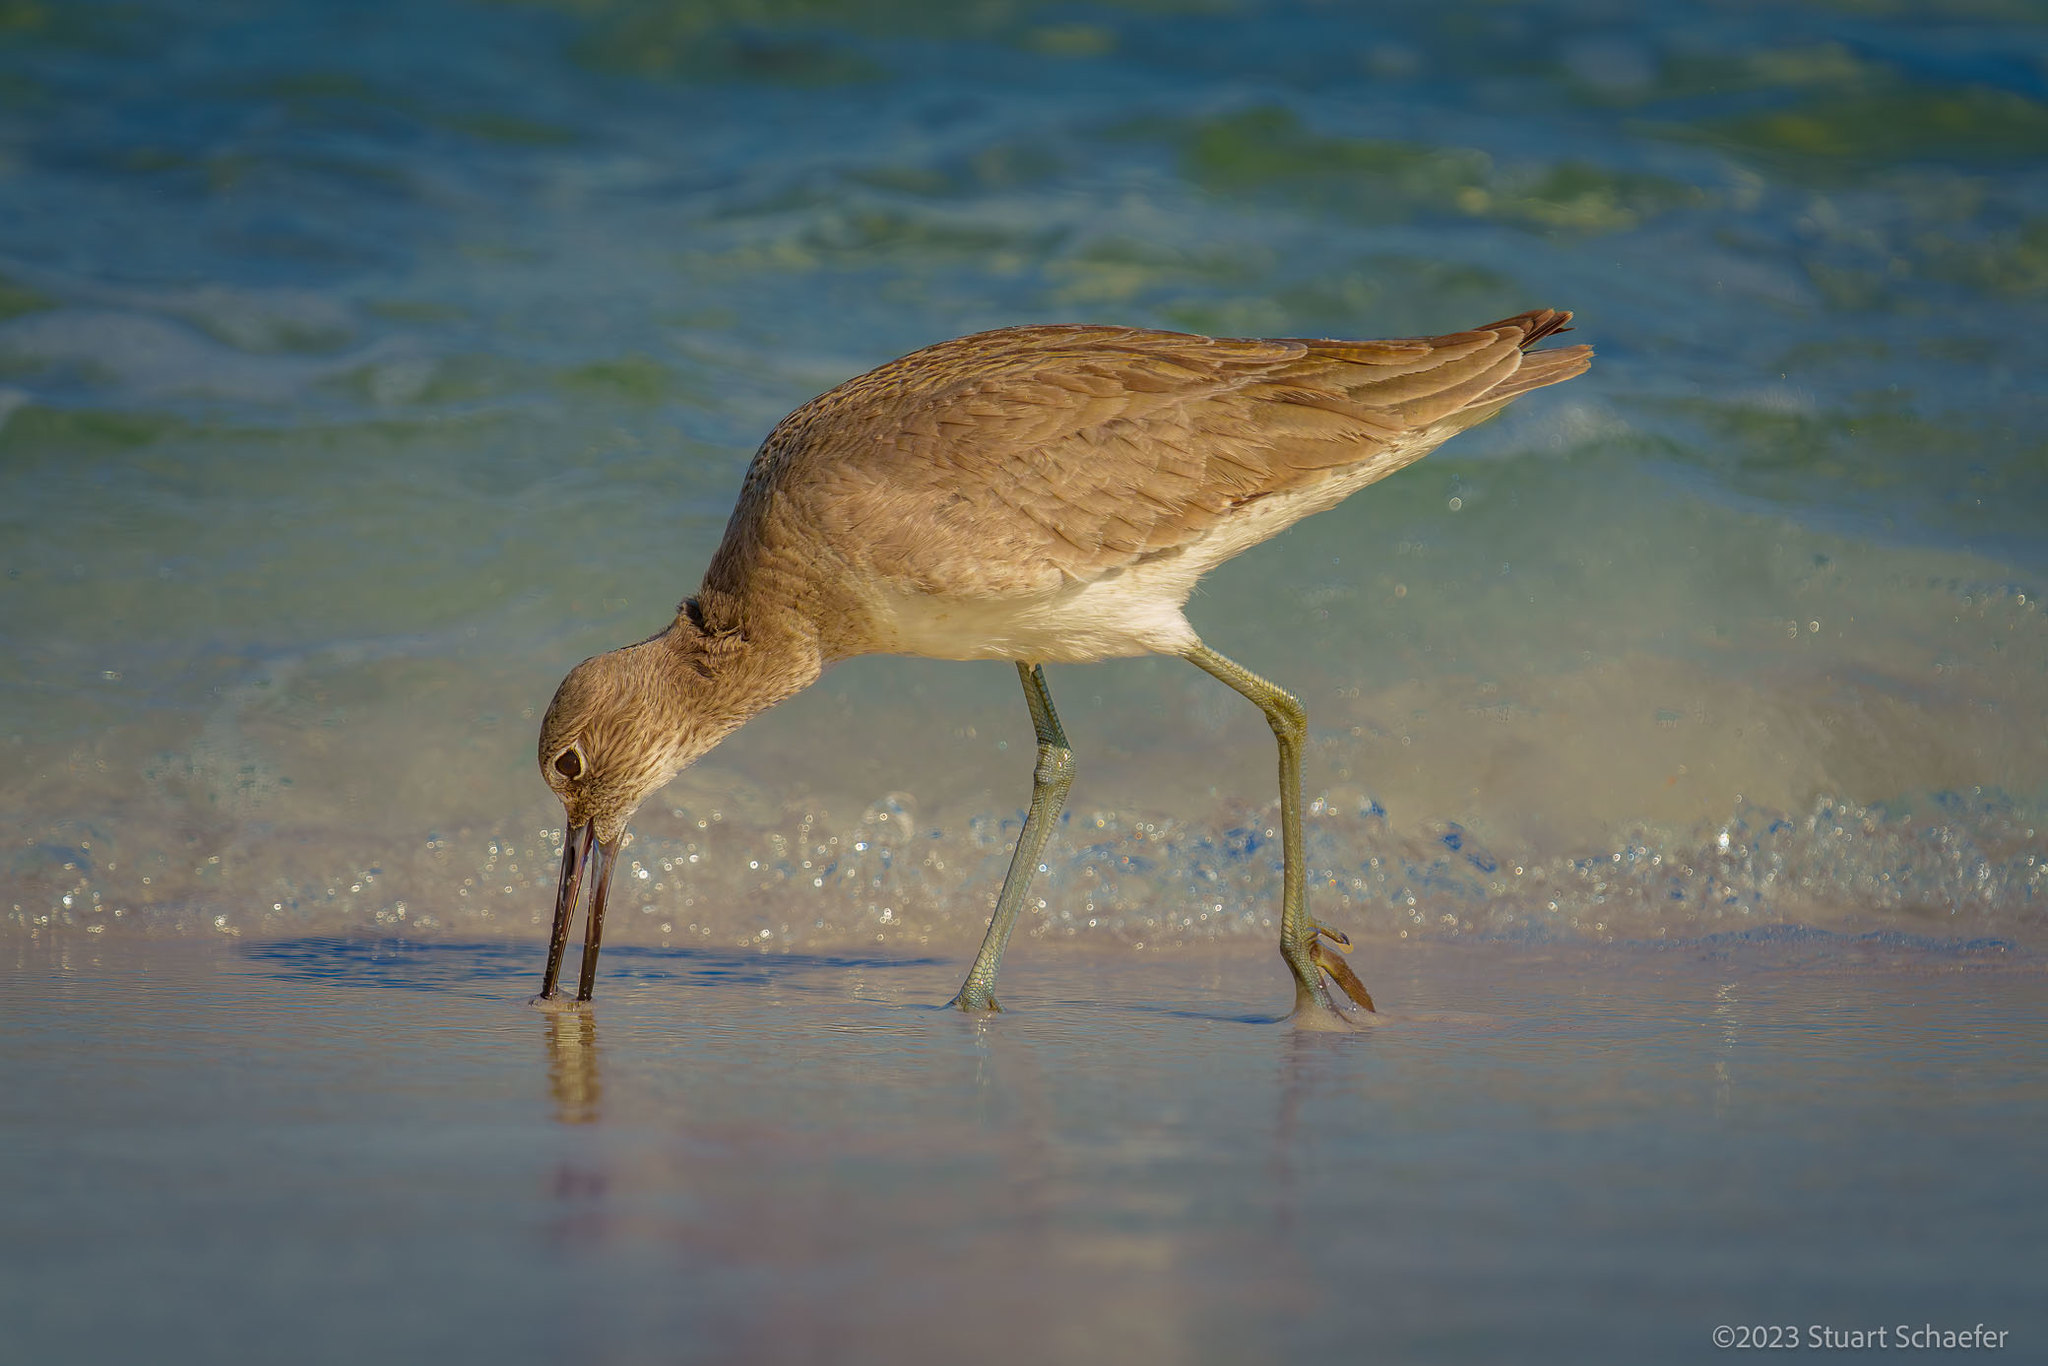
(1044, 495)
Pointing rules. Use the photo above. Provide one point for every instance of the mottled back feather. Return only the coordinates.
(1009, 462)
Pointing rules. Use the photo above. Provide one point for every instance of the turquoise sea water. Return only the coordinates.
(363, 367)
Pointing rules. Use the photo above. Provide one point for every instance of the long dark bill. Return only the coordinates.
(607, 855)
(576, 846)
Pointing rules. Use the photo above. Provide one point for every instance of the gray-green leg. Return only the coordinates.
(1301, 939)
(1049, 784)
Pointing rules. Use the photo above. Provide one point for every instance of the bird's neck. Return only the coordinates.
(735, 667)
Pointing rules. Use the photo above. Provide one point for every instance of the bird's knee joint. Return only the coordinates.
(1288, 718)
(1055, 766)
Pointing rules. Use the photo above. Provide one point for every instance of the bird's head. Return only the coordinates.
(619, 728)
(622, 724)
(625, 722)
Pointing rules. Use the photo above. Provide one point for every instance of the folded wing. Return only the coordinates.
(1010, 461)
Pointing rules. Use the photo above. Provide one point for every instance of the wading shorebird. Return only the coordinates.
(1045, 495)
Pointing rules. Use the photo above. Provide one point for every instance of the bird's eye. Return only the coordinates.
(569, 764)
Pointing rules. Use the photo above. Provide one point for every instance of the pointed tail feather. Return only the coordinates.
(1540, 368)
(1534, 325)
(1536, 370)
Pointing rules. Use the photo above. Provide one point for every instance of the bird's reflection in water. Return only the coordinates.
(1312, 1064)
(574, 1078)
(579, 1214)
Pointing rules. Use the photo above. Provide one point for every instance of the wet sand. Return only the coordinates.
(330, 1149)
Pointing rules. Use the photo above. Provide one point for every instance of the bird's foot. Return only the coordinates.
(975, 1002)
(555, 1003)
(1314, 1006)
(1334, 966)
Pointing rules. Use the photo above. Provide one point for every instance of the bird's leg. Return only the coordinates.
(1049, 784)
(1302, 940)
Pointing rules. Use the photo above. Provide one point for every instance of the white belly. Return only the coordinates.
(1111, 618)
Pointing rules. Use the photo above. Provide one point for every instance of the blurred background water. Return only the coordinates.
(364, 367)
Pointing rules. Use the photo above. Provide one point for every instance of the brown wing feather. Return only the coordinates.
(1010, 461)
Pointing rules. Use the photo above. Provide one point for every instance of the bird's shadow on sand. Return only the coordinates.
(510, 969)
(498, 969)
(1220, 1014)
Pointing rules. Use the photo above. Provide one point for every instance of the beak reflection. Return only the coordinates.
(573, 1067)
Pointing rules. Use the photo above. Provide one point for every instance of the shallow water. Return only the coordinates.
(322, 1149)
(362, 368)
